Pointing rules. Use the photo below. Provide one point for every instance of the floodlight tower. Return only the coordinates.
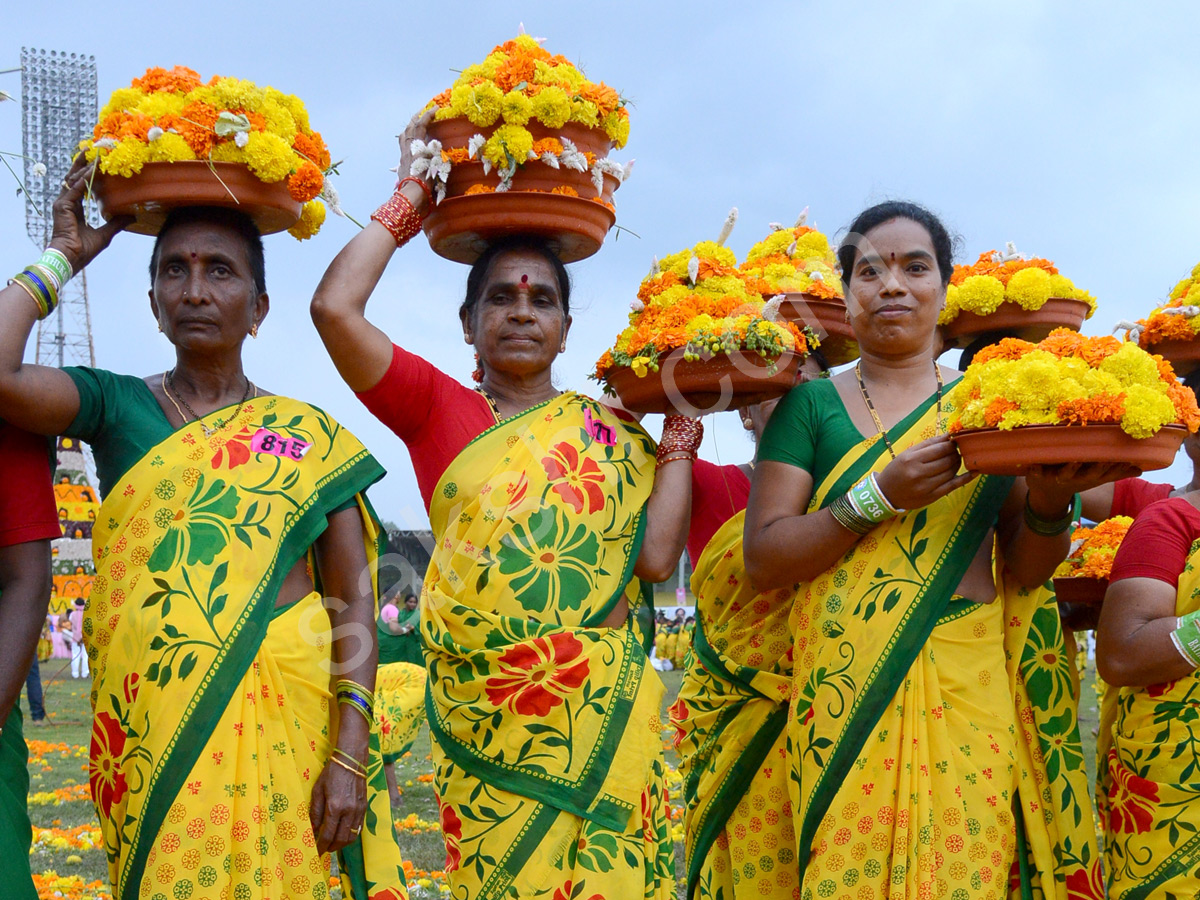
(58, 109)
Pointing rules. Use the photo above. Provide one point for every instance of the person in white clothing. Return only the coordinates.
(79, 658)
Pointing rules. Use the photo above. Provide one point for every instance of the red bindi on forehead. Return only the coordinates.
(524, 279)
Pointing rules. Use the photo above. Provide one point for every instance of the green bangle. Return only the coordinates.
(1047, 527)
(869, 500)
(57, 262)
(1186, 638)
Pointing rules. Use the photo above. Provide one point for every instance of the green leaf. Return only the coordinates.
(218, 604)
(170, 630)
(157, 642)
(219, 575)
(891, 600)
(229, 124)
(152, 672)
(164, 676)
(185, 667)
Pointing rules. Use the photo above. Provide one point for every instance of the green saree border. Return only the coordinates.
(235, 657)
(929, 605)
(1185, 859)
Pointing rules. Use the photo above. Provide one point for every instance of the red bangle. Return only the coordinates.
(422, 185)
(399, 217)
(680, 434)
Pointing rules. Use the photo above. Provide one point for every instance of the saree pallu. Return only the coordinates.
(729, 719)
(548, 760)
(16, 834)
(1152, 831)
(212, 707)
(933, 741)
(399, 707)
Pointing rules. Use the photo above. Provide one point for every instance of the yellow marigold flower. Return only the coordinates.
(713, 250)
(312, 217)
(528, 43)
(278, 120)
(1131, 365)
(269, 156)
(231, 93)
(585, 112)
(170, 148)
(508, 142)
(813, 245)
(552, 107)
(294, 105)
(516, 108)
(161, 104)
(481, 103)
(125, 159)
(483, 71)
(616, 126)
(228, 151)
(1146, 410)
(1029, 288)
(122, 99)
(1062, 286)
(980, 294)
(776, 242)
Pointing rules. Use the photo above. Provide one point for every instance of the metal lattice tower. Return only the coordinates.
(59, 107)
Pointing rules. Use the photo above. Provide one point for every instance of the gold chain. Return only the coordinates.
(169, 379)
(937, 371)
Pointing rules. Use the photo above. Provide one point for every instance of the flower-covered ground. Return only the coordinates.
(68, 864)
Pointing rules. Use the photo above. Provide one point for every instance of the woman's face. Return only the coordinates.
(518, 326)
(896, 291)
(203, 294)
(410, 603)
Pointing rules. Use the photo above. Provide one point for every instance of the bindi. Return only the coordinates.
(193, 254)
(893, 256)
(524, 279)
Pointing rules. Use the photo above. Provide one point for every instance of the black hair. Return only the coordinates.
(1191, 381)
(943, 244)
(218, 215)
(518, 242)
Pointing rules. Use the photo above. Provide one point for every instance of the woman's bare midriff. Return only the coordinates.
(617, 617)
(978, 583)
(296, 585)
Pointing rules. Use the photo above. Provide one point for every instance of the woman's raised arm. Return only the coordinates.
(42, 399)
(360, 351)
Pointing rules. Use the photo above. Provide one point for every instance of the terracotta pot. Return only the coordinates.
(164, 186)
(1032, 325)
(1184, 356)
(994, 452)
(827, 318)
(1080, 590)
(712, 385)
(463, 225)
(461, 228)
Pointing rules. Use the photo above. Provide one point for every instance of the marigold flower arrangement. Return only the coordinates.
(793, 260)
(173, 116)
(517, 84)
(699, 300)
(1069, 379)
(997, 277)
(1176, 320)
(1094, 549)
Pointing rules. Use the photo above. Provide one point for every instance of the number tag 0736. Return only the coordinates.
(265, 441)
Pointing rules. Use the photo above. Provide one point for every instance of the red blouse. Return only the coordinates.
(1132, 495)
(431, 412)
(27, 508)
(718, 494)
(1158, 542)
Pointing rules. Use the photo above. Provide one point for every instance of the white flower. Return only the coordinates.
(1135, 330)
(627, 170)
(727, 228)
(817, 276)
(427, 161)
(775, 226)
(604, 167)
(549, 159)
(155, 133)
(571, 157)
(39, 170)
(475, 144)
(241, 138)
(1008, 254)
(791, 249)
(105, 143)
(802, 219)
(1188, 311)
(637, 305)
(655, 268)
(771, 308)
(693, 269)
(330, 196)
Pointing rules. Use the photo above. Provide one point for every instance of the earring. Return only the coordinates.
(747, 423)
(477, 375)
(159, 323)
(254, 330)
(562, 348)
(468, 339)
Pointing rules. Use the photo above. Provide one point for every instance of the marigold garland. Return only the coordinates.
(173, 116)
(1177, 319)
(1095, 549)
(700, 301)
(1070, 379)
(997, 277)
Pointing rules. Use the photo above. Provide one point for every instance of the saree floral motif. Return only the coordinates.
(931, 738)
(548, 766)
(212, 708)
(1152, 779)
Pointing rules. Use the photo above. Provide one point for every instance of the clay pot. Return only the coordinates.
(1080, 590)
(463, 225)
(1184, 356)
(1031, 325)
(163, 186)
(710, 385)
(991, 451)
(827, 318)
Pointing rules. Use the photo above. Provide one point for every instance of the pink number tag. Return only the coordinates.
(277, 445)
(601, 433)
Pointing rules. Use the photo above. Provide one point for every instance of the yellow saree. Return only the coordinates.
(933, 741)
(212, 707)
(1152, 831)
(547, 755)
(730, 735)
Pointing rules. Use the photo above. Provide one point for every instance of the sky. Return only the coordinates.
(1069, 129)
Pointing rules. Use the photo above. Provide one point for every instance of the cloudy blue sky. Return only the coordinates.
(1070, 129)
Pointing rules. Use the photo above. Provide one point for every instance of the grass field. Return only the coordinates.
(67, 863)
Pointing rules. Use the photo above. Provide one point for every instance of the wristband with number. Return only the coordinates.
(1186, 638)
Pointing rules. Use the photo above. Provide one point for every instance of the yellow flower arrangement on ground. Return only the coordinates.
(793, 260)
(518, 84)
(173, 116)
(1094, 549)
(1069, 379)
(699, 300)
(998, 277)
(1176, 320)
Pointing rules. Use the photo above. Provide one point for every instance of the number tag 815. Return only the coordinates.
(265, 441)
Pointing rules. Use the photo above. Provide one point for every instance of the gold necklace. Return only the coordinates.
(169, 379)
(937, 371)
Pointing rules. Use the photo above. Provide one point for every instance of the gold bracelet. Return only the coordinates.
(354, 685)
(351, 760)
(338, 762)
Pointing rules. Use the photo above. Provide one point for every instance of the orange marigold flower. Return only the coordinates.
(1095, 350)
(566, 190)
(1185, 405)
(609, 206)
(605, 98)
(442, 99)
(306, 182)
(108, 126)
(1099, 409)
(1006, 348)
(196, 124)
(135, 126)
(821, 289)
(457, 155)
(180, 79)
(513, 71)
(710, 268)
(312, 147)
(996, 409)
(1063, 342)
(480, 189)
(548, 145)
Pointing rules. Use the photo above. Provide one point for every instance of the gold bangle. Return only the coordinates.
(338, 762)
(351, 760)
(354, 685)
